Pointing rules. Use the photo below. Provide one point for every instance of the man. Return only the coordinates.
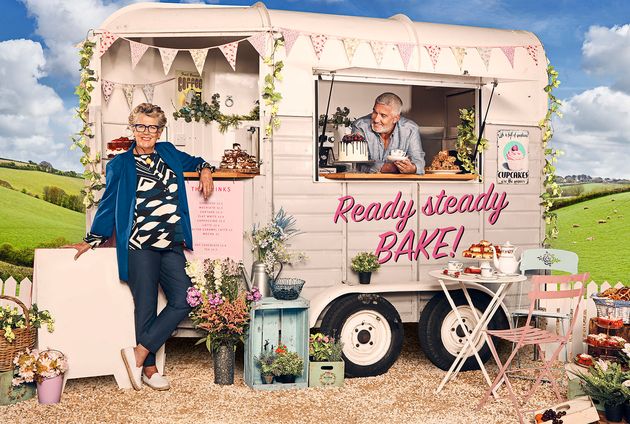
(385, 130)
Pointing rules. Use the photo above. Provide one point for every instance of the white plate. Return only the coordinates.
(494, 277)
(395, 158)
(443, 171)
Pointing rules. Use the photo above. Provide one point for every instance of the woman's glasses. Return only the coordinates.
(153, 129)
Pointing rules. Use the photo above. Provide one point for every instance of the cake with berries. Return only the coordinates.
(353, 148)
(117, 147)
(236, 159)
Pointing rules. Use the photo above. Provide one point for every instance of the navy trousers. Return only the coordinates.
(147, 269)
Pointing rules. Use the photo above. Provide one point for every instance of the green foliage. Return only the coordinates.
(24, 256)
(323, 348)
(365, 262)
(12, 317)
(603, 382)
(34, 181)
(18, 272)
(265, 362)
(467, 139)
(288, 363)
(57, 196)
(270, 95)
(560, 203)
(339, 118)
(199, 110)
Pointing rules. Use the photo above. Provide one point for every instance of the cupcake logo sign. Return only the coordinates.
(513, 157)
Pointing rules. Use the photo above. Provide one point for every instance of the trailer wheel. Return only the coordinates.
(371, 331)
(441, 336)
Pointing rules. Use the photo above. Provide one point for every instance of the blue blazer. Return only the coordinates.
(117, 206)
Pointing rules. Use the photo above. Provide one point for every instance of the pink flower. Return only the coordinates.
(193, 296)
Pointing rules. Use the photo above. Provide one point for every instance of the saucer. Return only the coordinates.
(395, 158)
(501, 274)
(493, 277)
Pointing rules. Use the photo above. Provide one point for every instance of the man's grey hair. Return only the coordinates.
(391, 100)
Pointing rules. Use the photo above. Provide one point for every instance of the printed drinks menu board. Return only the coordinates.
(217, 223)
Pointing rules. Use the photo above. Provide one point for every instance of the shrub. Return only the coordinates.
(365, 262)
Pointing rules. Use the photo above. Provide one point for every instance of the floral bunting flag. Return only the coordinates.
(148, 90)
(484, 53)
(377, 49)
(168, 55)
(319, 41)
(508, 51)
(290, 37)
(137, 51)
(405, 50)
(533, 52)
(434, 53)
(351, 45)
(128, 90)
(229, 51)
(199, 57)
(107, 39)
(107, 87)
(259, 42)
(459, 53)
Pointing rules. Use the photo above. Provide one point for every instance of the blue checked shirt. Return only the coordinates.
(406, 136)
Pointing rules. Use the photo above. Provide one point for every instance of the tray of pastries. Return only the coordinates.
(443, 164)
(481, 250)
(606, 341)
(239, 160)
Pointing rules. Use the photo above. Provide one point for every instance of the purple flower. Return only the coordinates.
(215, 299)
(254, 295)
(193, 296)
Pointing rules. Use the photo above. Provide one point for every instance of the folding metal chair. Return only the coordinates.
(528, 335)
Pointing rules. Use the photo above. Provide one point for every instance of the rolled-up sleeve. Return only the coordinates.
(414, 150)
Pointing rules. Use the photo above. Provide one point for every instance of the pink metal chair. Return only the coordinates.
(528, 335)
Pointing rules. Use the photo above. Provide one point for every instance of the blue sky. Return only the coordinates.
(587, 41)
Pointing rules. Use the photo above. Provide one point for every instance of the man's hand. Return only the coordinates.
(206, 185)
(81, 248)
(405, 166)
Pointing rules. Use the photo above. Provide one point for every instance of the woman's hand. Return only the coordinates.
(81, 248)
(206, 185)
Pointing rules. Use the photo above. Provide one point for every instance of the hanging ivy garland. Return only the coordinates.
(80, 140)
(551, 188)
(467, 139)
(198, 110)
(270, 95)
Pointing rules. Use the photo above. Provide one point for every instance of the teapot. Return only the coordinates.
(507, 263)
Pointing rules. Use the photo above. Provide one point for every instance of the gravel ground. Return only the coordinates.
(404, 395)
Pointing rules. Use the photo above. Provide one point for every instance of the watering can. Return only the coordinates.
(259, 278)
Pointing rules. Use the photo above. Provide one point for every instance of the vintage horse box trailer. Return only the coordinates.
(436, 70)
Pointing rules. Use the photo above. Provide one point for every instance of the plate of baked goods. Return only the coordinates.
(584, 360)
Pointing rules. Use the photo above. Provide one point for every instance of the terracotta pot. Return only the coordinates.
(266, 379)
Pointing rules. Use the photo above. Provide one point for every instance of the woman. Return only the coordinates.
(145, 203)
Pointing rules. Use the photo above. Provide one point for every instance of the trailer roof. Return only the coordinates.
(194, 20)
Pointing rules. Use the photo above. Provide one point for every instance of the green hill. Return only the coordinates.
(26, 221)
(603, 248)
(35, 181)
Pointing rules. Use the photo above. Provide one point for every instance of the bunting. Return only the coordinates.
(290, 37)
(137, 51)
(459, 53)
(107, 87)
(509, 53)
(199, 57)
(259, 42)
(148, 90)
(484, 53)
(107, 39)
(128, 90)
(319, 41)
(378, 49)
(405, 50)
(167, 55)
(229, 51)
(351, 45)
(533, 52)
(434, 54)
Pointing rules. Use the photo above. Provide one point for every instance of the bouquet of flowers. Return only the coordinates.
(322, 348)
(270, 242)
(12, 318)
(221, 304)
(32, 365)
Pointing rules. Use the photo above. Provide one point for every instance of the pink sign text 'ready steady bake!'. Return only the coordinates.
(431, 244)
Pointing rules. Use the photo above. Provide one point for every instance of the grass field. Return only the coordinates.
(26, 221)
(18, 272)
(603, 248)
(35, 181)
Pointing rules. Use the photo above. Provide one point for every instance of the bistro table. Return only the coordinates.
(505, 282)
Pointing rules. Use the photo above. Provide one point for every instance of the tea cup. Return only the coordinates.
(455, 266)
(486, 271)
(398, 153)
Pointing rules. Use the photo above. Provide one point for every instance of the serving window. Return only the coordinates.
(435, 108)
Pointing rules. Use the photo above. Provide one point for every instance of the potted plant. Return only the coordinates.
(326, 366)
(604, 382)
(46, 368)
(287, 365)
(365, 263)
(265, 363)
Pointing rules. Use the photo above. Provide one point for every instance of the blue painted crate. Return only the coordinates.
(277, 321)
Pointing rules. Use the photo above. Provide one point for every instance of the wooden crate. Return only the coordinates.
(277, 321)
(10, 394)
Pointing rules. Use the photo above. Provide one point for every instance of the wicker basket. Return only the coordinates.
(286, 288)
(24, 338)
(612, 308)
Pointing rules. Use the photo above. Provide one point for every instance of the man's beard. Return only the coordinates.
(383, 130)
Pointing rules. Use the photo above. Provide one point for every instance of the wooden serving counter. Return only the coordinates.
(349, 176)
(221, 175)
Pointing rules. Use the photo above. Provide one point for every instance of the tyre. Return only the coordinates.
(441, 336)
(371, 331)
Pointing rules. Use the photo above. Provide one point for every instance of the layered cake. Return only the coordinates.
(443, 162)
(117, 146)
(239, 160)
(353, 148)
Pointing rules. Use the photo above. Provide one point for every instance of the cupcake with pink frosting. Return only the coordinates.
(516, 159)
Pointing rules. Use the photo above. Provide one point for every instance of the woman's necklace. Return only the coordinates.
(148, 160)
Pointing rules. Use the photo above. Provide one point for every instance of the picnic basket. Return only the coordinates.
(24, 338)
(612, 308)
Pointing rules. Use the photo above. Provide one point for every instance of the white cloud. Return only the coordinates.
(594, 134)
(34, 125)
(606, 52)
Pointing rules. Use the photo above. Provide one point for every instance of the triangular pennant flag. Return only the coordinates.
(107, 39)
(168, 55)
(290, 37)
(107, 87)
(148, 89)
(405, 50)
(319, 41)
(351, 45)
(434, 53)
(484, 53)
(509, 53)
(459, 53)
(199, 57)
(229, 51)
(377, 50)
(128, 90)
(137, 50)
(533, 52)
(259, 42)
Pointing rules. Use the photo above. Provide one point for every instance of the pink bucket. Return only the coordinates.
(49, 390)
